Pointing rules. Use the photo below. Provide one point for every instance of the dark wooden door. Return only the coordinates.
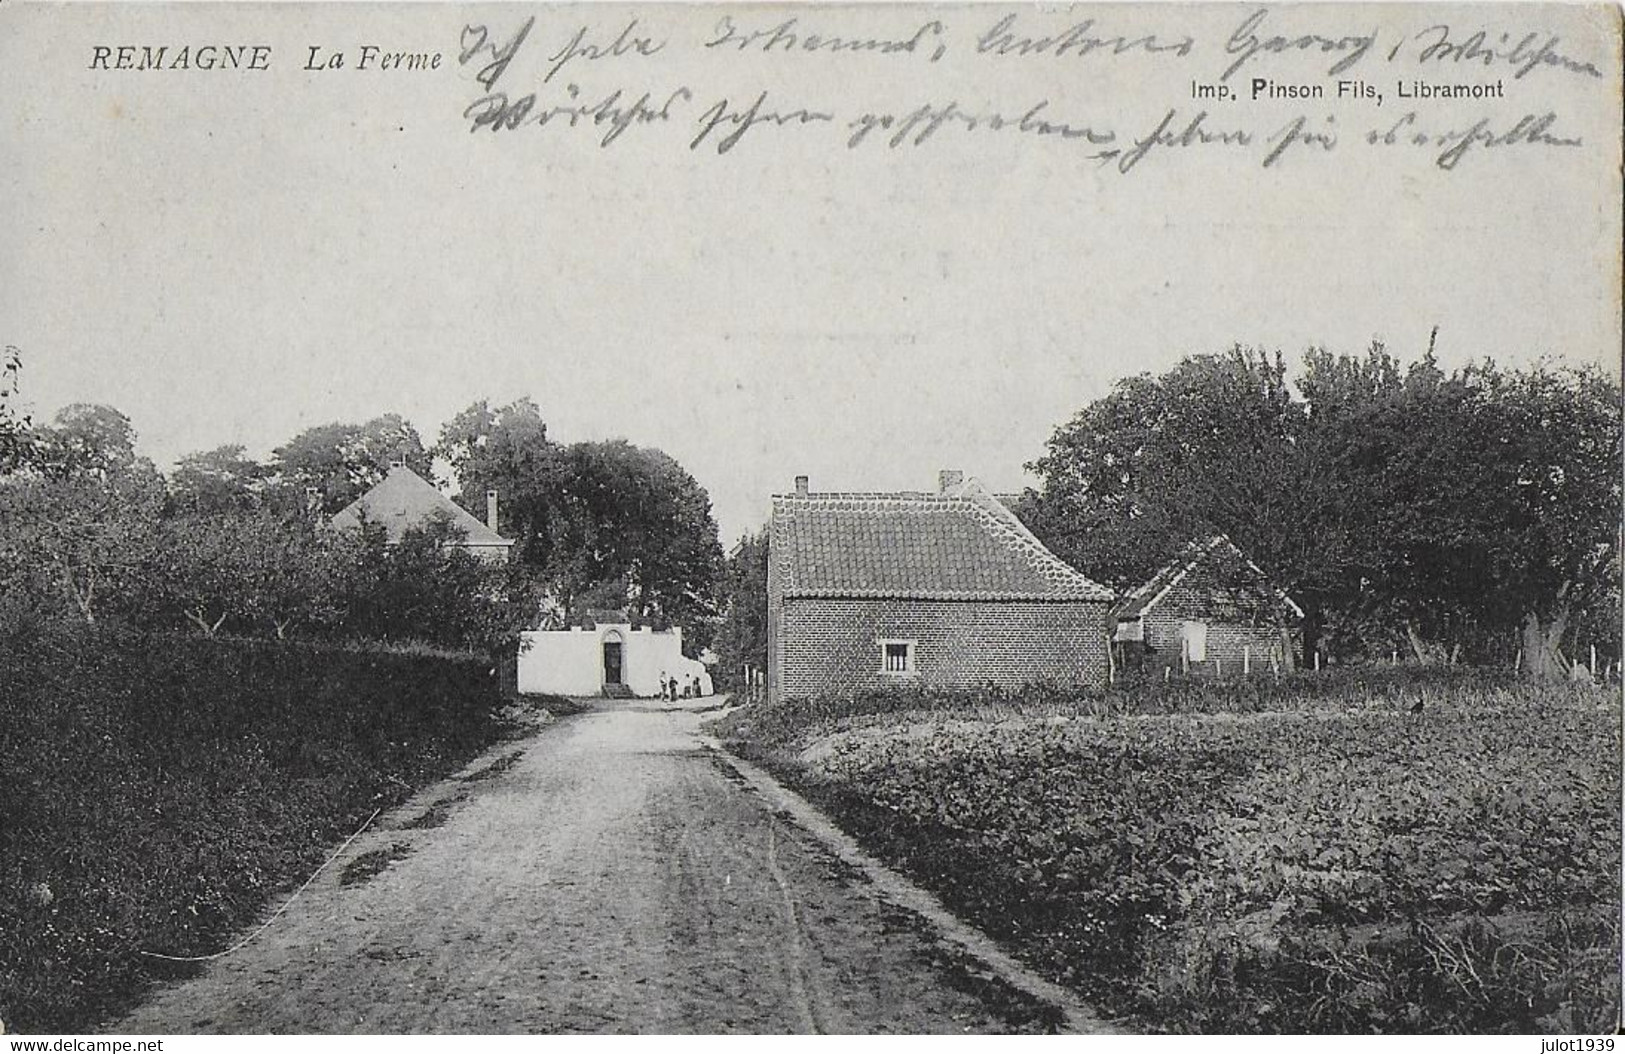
(612, 662)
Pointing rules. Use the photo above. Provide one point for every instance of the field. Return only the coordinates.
(1302, 856)
(160, 792)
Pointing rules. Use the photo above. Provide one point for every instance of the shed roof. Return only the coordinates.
(959, 544)
(404, 499)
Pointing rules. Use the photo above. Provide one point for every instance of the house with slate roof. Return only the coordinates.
(1209, 611)
(944, 589)
(404, 499)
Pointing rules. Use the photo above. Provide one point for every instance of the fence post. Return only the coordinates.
(1517, 662)
(1167, 672)
(1218, 666)
(1317, 660)
(1246, 660)
(1593, 662)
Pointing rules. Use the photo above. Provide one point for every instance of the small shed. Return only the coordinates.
(1209, 610)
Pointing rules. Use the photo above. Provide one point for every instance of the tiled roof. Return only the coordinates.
(1144, 598)
(959, 545)
(405, 499)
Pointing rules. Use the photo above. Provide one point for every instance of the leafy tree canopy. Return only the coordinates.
(605, 524)
(632, 513)
(86, 440)
(343, 461)
(218, 480)
(741, 639)
(507, 450)
(1402, 506)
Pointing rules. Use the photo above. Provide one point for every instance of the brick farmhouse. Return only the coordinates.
(943, 589)
(1210, 610)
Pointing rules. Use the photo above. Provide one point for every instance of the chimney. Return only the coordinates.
(948, 479)
(491, 509)
(801, 486)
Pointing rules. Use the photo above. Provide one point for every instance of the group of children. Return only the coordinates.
(670, 688)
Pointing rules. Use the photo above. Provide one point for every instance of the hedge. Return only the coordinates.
(159, 791)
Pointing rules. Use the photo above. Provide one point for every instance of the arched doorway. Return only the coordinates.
(614, 659)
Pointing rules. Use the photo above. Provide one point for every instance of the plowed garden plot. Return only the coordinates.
(1349, 870)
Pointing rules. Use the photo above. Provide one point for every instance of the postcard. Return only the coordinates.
(809, 518)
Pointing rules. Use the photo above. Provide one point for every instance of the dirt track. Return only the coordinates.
(611, 878)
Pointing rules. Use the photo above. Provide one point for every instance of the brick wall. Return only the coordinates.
(1234, 622)
(777, 547)
(820, 645)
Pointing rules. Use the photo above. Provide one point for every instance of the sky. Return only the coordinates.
(231, 258)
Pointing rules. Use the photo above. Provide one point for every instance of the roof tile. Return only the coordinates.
(960, 545)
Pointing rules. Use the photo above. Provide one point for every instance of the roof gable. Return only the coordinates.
(1200, 558)
(404, 499)
(962, 544)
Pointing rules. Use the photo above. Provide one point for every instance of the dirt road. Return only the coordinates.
(606, 875)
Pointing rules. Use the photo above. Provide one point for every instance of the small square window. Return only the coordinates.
(896, 657)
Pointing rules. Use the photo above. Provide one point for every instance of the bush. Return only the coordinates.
(160, 790)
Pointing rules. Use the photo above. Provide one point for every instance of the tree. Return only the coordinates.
(86, 440)
(741, 640)
(218, 480)
(427, 587)
(1162, 460)
(1554, 555)
(1335, 554)
(626, 512)
(247, 571)
(14, 427)
(87, 539)
(507, 450)
(343, 461)
(1402, 507)
(596, 524)
(482, 443)
(81, 512)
